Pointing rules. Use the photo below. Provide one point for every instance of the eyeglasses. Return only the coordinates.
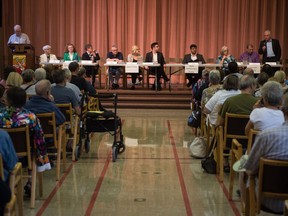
(114, 50)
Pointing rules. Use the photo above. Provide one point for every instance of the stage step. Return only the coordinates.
(148, 99)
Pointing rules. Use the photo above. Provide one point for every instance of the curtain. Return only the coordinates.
(174, 24)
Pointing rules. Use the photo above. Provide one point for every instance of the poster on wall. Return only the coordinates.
(19, 62)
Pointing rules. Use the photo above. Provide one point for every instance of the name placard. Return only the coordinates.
(271, 63)
(192, 68)
(86, 62)
(131, 67)
(255, 66)
(53, 61)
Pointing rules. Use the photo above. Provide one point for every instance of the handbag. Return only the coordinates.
(209, 163)
(198, 147)
(194, 120)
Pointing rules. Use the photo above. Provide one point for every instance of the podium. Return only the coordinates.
(22, 56)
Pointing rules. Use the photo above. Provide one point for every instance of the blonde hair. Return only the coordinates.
(14, 79)
(280, 76)
(134, 48)
(223, 49)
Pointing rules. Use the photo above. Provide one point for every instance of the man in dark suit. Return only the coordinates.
(156, 56)
(269, 48)
(193, 57)
(93, 55)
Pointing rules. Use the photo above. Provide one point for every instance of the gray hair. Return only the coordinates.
(280, 76)
(248, 71)
(67, 73)
(40, 73)
(214, 77)
(43, 87)
(247, 81)
(272, 93)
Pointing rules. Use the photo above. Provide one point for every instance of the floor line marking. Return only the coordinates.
(54, 191)
(180, 174)
(231, 202)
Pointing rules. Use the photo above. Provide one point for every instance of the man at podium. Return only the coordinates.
(18, 37)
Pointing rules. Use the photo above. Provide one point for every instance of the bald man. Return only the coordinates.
(42, 102)
(18, 37)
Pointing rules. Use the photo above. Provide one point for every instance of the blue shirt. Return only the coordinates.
(119, 56)
(270, 52)
(64, 95)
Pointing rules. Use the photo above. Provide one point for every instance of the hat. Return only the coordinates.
(238, 166)
(46, 47)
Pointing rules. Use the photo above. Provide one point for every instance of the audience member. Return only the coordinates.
(2, 99)
(261, 80)
(249, 55)
(18, 37)
(14, 79)
(200, 85)
(70, 53)
(5, 195)
(82, 73)
(28, 81)
(156, 56)
(269, 48)
(248, 71)
(281, 78)
(224, 59)
(114, 56)
(61, 94)
(14, 115)
(92, 55)
(6, 72)
(43, 102)
(47, 56)
(268, 69)
(267, 113)
(135, 56)
(193, 56)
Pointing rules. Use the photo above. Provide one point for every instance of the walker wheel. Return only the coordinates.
(87, 145)
(121, 147)
(114, 153)
(77, 153)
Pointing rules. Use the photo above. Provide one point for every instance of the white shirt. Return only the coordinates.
(155, 57)
(22, 39)
(43, 57)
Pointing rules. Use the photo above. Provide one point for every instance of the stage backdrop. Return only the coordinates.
(175, 24)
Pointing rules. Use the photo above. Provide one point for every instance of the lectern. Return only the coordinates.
(22, 56)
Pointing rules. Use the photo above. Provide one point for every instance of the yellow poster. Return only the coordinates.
(19, 62)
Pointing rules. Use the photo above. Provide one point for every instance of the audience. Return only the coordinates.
(28, 81)
(200, 85)
(6, 72)
(261, 80)
(70, 85)
(2, 98)
(82, 72)
(281, 78)
(14, 79)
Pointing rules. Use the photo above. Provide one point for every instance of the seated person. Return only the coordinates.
(47, 56)
(14, 79)
(249, 55)
(70, 53)
(114, 56)
(43, 102)
(61, 93)
(15, 115)
(200, 85)
(28, 81)
(92, 55)
(6, 72)
(2, 99)
(82, 73)
(5, 195)
(224, 59)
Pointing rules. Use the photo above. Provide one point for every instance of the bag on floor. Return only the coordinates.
(198, 147)
(208, 163)
(194, 120)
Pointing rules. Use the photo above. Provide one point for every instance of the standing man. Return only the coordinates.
(92, 55)
(249, 55)
(18, 37)
(269, 48)
(114, 56)
(156, 56)
(47, 56)
(193, 57)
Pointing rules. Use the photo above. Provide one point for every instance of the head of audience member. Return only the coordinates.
(16, 97)
(59, 77)
(267, 35)
(233, 68)
(247, 84)
(249, 49)
(284, 107)
(205, 74)
(114, 49)
(14, 79)
(262, 78)
(280, 76)
(74, 68)
(40, 73)
(248, 71)
(193, 49)
(43, 88)
(17, 30)
(82, 72)
(224, 51)
(28, 76)
(70, 48)
(7, 71)
(155, 46)
(135, 50)
(231, 83)
(268, 70)
(49, 70)
(68, 74)
(272, 94)
(47, 49)
(214, 77)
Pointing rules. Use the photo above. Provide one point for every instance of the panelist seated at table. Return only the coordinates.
(91, 55)
(114, 56)
(249, 55)
(18, 37)
(135, 56)
(224, 59)
(70, 53)
(156, 56)
(193, 56)
(47, 56)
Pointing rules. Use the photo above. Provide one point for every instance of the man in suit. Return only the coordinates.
(156, 56)
(269, 48)
(193, 57)
(93, 55)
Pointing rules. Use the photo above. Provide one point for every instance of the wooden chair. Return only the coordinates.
(234, 127)
(272, 183)
(286, 208)
(10, 208)
(72, 122)
(21, 140)
(48, 124)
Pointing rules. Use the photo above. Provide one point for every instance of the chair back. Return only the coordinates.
(67, 111)
(21, 140)
(251, 138)
(48, 124)
(273, 178)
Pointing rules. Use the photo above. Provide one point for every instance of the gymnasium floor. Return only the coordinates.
(154, 176)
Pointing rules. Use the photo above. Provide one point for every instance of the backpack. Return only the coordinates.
(194, 120)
